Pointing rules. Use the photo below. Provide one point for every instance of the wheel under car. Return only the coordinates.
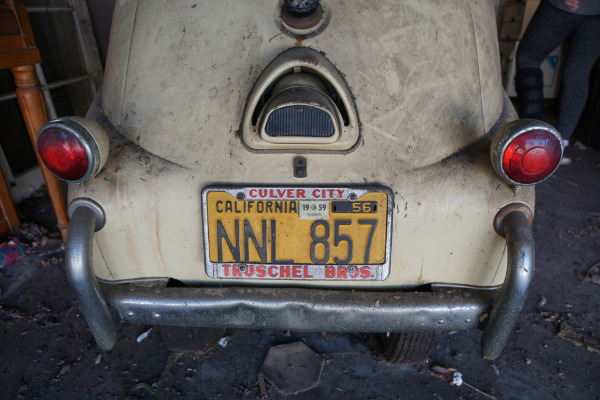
(404, 348)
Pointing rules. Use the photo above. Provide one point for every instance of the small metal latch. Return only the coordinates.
(300, 167)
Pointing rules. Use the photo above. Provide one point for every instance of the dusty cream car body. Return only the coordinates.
(425, 80)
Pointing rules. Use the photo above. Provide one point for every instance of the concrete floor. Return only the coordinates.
(47, 352)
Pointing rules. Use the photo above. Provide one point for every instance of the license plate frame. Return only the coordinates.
(344, 196)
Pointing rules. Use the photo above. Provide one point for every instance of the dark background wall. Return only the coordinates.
(101, 12)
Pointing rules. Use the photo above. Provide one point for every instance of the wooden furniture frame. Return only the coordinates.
(19, 53)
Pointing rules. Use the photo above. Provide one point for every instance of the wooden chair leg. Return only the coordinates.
(32, 106)
(7, 206)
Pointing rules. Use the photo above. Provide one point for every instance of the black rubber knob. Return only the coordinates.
(301, 8)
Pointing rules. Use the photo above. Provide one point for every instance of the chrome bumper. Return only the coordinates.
(298, 309)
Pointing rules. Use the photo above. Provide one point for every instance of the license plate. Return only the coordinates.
(297, 233)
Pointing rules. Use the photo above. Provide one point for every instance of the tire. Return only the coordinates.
(405, 348)
(187, 339)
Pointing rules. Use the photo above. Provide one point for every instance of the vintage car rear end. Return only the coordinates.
(311, 172)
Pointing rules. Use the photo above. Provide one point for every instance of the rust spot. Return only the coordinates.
(298, 42)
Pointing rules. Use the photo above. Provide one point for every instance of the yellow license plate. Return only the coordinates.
(297, 233)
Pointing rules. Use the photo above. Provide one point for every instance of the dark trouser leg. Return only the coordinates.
(583, 53)
(548, 28)
(530, 89)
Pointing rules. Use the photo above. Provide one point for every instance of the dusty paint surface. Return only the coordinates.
(174, 97)
(425, 76)
(442, 220)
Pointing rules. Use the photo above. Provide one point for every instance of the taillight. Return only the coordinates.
(63, 154)
(72, 148)
(525, 152)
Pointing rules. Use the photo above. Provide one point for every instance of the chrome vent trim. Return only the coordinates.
(343, 113)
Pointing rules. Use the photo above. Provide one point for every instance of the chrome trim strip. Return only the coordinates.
(521, 264)
(441, 286)
(78, 257)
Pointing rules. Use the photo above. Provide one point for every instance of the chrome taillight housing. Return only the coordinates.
(526, 151)
(73, 148)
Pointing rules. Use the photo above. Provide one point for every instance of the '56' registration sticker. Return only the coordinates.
(297, 233)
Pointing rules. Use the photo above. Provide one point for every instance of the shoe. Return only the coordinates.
(565, 161)
(580, 145)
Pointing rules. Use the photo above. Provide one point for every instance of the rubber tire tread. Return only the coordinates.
(187, 339)
(406, 347)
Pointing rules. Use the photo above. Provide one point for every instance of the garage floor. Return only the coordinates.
(47, 352)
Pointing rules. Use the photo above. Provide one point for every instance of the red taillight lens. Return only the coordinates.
(532, 156)
(62, 154)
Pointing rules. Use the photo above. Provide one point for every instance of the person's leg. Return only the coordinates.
(582, 54)
(548, 28)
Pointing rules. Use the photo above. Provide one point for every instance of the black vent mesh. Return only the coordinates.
(299, 120)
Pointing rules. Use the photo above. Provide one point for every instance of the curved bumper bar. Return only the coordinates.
(78, 257)
(299, 309)
(520, 249)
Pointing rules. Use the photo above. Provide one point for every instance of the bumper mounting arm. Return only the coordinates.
(87, 217)
(521, 262)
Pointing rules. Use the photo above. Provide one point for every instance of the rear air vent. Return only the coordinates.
(299, 120)
(324, 85)
(300, 102)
